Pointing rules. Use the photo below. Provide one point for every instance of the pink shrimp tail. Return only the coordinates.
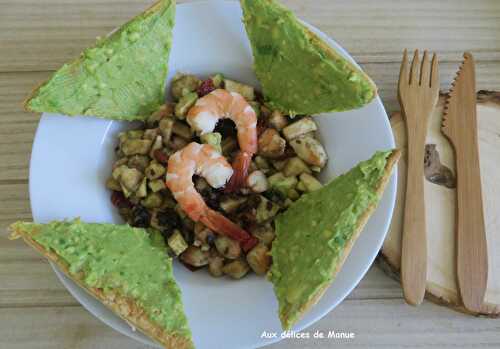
(240, 172)
(220, 224)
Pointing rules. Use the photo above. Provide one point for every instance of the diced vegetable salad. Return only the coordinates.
(289, 158)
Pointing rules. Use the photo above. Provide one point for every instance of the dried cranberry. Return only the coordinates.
(119, 200)
(160, 156)
(206, 87)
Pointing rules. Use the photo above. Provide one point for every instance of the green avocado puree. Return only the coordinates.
(122, 77)
(118, 258)
(300, 74)
(312, 233)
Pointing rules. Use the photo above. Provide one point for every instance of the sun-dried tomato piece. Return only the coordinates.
(206, 87)
(119, 200)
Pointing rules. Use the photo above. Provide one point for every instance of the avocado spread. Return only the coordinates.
(122, 77)
(118, 258)
(312, 234)
(299, 73)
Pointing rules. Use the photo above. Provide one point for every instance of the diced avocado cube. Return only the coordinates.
(143, 189)
(134, 134)
(231, 204)
(154, 170)
(245, 90)
(139, 162)
(214, 139)
(156, 238)
(133, 146)
(261, 163)
(113, 184)
(295, 166)
(288, 202)
(183, 84)
(153, 200)
(184, 104)
(301, 187)
(281, 183)
(177, 242)
(166, 126)
(129, 178)
(276, 178)
(163, 111)
(182, 129)
(293, 194)
(279, 164)
(156, 185)
(316, 169)
(310, 182)
(117, 171)
(266, 210)
(265, 234)
(126, 191)
(217, 80)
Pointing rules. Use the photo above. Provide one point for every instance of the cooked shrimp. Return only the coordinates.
(205, 161)
(219, 104)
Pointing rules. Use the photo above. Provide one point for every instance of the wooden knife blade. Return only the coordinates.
(460, 127)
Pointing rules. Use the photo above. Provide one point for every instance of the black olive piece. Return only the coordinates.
(275, 196)
(211, 239)
(252, 202)
(211, 198)
(166, 233)
(259, 96)
(188, 236)
(169, 219)
(226, 128)
(140, 217)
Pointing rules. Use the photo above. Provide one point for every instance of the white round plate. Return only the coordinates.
(72, 158)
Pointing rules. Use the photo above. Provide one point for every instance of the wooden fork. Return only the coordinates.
(418, 93)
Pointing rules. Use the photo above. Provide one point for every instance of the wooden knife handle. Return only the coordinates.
(414, 244)
(472, 255)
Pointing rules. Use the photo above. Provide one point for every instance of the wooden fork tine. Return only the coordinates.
(425, 71)
(434, 72)
(403, 73)
(414, 78)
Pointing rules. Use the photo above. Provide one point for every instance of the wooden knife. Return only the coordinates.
(460, 127)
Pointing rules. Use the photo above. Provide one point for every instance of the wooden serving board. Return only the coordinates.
(440, 200)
